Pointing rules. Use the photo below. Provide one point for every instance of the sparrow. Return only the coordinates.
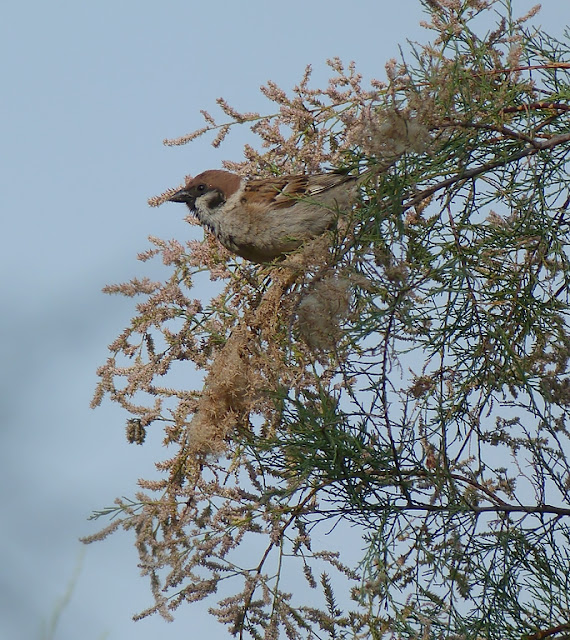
(263, 219)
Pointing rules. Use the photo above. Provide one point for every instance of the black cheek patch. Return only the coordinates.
(216, 199)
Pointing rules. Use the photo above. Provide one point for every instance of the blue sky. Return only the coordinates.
(89, 92)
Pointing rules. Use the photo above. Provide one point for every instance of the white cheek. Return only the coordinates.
(204, 204)
(209, 217)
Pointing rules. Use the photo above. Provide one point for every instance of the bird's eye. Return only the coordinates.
(201, 188)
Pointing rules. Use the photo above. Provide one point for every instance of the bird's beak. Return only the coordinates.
(182, 196)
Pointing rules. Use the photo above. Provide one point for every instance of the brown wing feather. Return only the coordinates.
(285, 191)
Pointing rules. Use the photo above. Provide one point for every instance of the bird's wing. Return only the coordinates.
(285, 191)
